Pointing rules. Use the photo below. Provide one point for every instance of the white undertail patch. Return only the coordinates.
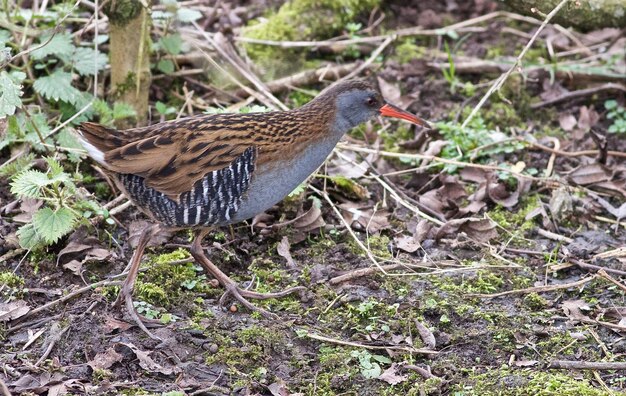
(92, 151)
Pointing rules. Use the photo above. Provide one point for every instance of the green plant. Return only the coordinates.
(64, 205)
(449, 73)
(370, 364)
(616, 113)
(475, 142)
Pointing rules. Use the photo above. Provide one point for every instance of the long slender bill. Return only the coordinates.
(389, 110)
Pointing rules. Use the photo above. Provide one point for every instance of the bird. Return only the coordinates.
(207, 171)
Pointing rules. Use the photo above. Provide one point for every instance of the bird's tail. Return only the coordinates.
(98, 140)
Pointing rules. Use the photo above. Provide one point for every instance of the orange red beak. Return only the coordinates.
(389, 110)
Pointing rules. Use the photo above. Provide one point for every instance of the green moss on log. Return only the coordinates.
(582, 14)
(300, 20)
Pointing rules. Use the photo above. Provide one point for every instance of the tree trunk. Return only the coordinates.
(581, 14)
(129, 34)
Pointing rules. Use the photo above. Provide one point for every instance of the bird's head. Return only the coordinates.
(357, 101)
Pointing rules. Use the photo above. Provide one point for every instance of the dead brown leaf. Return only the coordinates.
(283, 251)
(480, 230)
(567, 122)
(13, 310)
(136, 229)
(365, 218)
(391, 375)
(28, 206)
(106, 359)
(111, 324)
(146, 362)
(407, 243)
(311, 220)
(573, 309)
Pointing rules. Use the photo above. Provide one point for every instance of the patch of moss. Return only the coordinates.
(535, 302)
(407, 50)
(507, 382)
(164, 283)
(377, 244)
(299, 20)
(515, 221)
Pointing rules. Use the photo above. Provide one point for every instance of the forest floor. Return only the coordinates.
(505, 278)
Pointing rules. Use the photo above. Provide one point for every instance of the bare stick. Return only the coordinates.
(538, 289)
(365, 346)
(498, 83)
(610, 87)
(578, 365)
(349, 228)
(371, 59)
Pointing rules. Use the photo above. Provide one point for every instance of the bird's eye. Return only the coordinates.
(371, 101)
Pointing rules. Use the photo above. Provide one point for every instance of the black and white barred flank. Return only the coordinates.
(213, 200)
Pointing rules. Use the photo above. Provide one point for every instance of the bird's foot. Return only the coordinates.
(242, 295)
(125, 297)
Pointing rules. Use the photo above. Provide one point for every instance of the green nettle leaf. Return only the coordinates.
(28, 184)
(28, 238)
(188, 15)
(84, 60)
(57, 86)
(60, 45)
(10, 92)
(51, 225)
(165, 66)
(172, 44)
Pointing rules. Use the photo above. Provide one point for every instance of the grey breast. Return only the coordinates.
(213, 200)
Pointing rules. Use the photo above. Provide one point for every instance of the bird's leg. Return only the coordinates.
(231, 287)
(126, 292)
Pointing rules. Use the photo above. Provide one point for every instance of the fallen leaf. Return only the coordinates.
(111, 324)
(365, 218)
(283, 251)
(391, 375)
(480, 230)
(279, 388)
(407, 243)
(311, 220)
(422, 230)
(146, 362)
(13, 310)
(589, 174)
(573, 309)
(567, 122)
(106, 359)
(136, 229)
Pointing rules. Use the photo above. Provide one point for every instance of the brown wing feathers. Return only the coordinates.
(172, 156)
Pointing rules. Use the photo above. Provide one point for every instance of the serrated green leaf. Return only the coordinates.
(56, 169)
(85, 60)
(188, 15)
(28, 237)
(60, 45)
(51, 225)
(29, 183)
(172, 44)
(10, 93)
(57, 86)
(165, 66)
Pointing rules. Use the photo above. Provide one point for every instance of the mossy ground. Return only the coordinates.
(319, 343)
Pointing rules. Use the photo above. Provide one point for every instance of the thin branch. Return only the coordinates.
(538, 289)
(500, 81)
